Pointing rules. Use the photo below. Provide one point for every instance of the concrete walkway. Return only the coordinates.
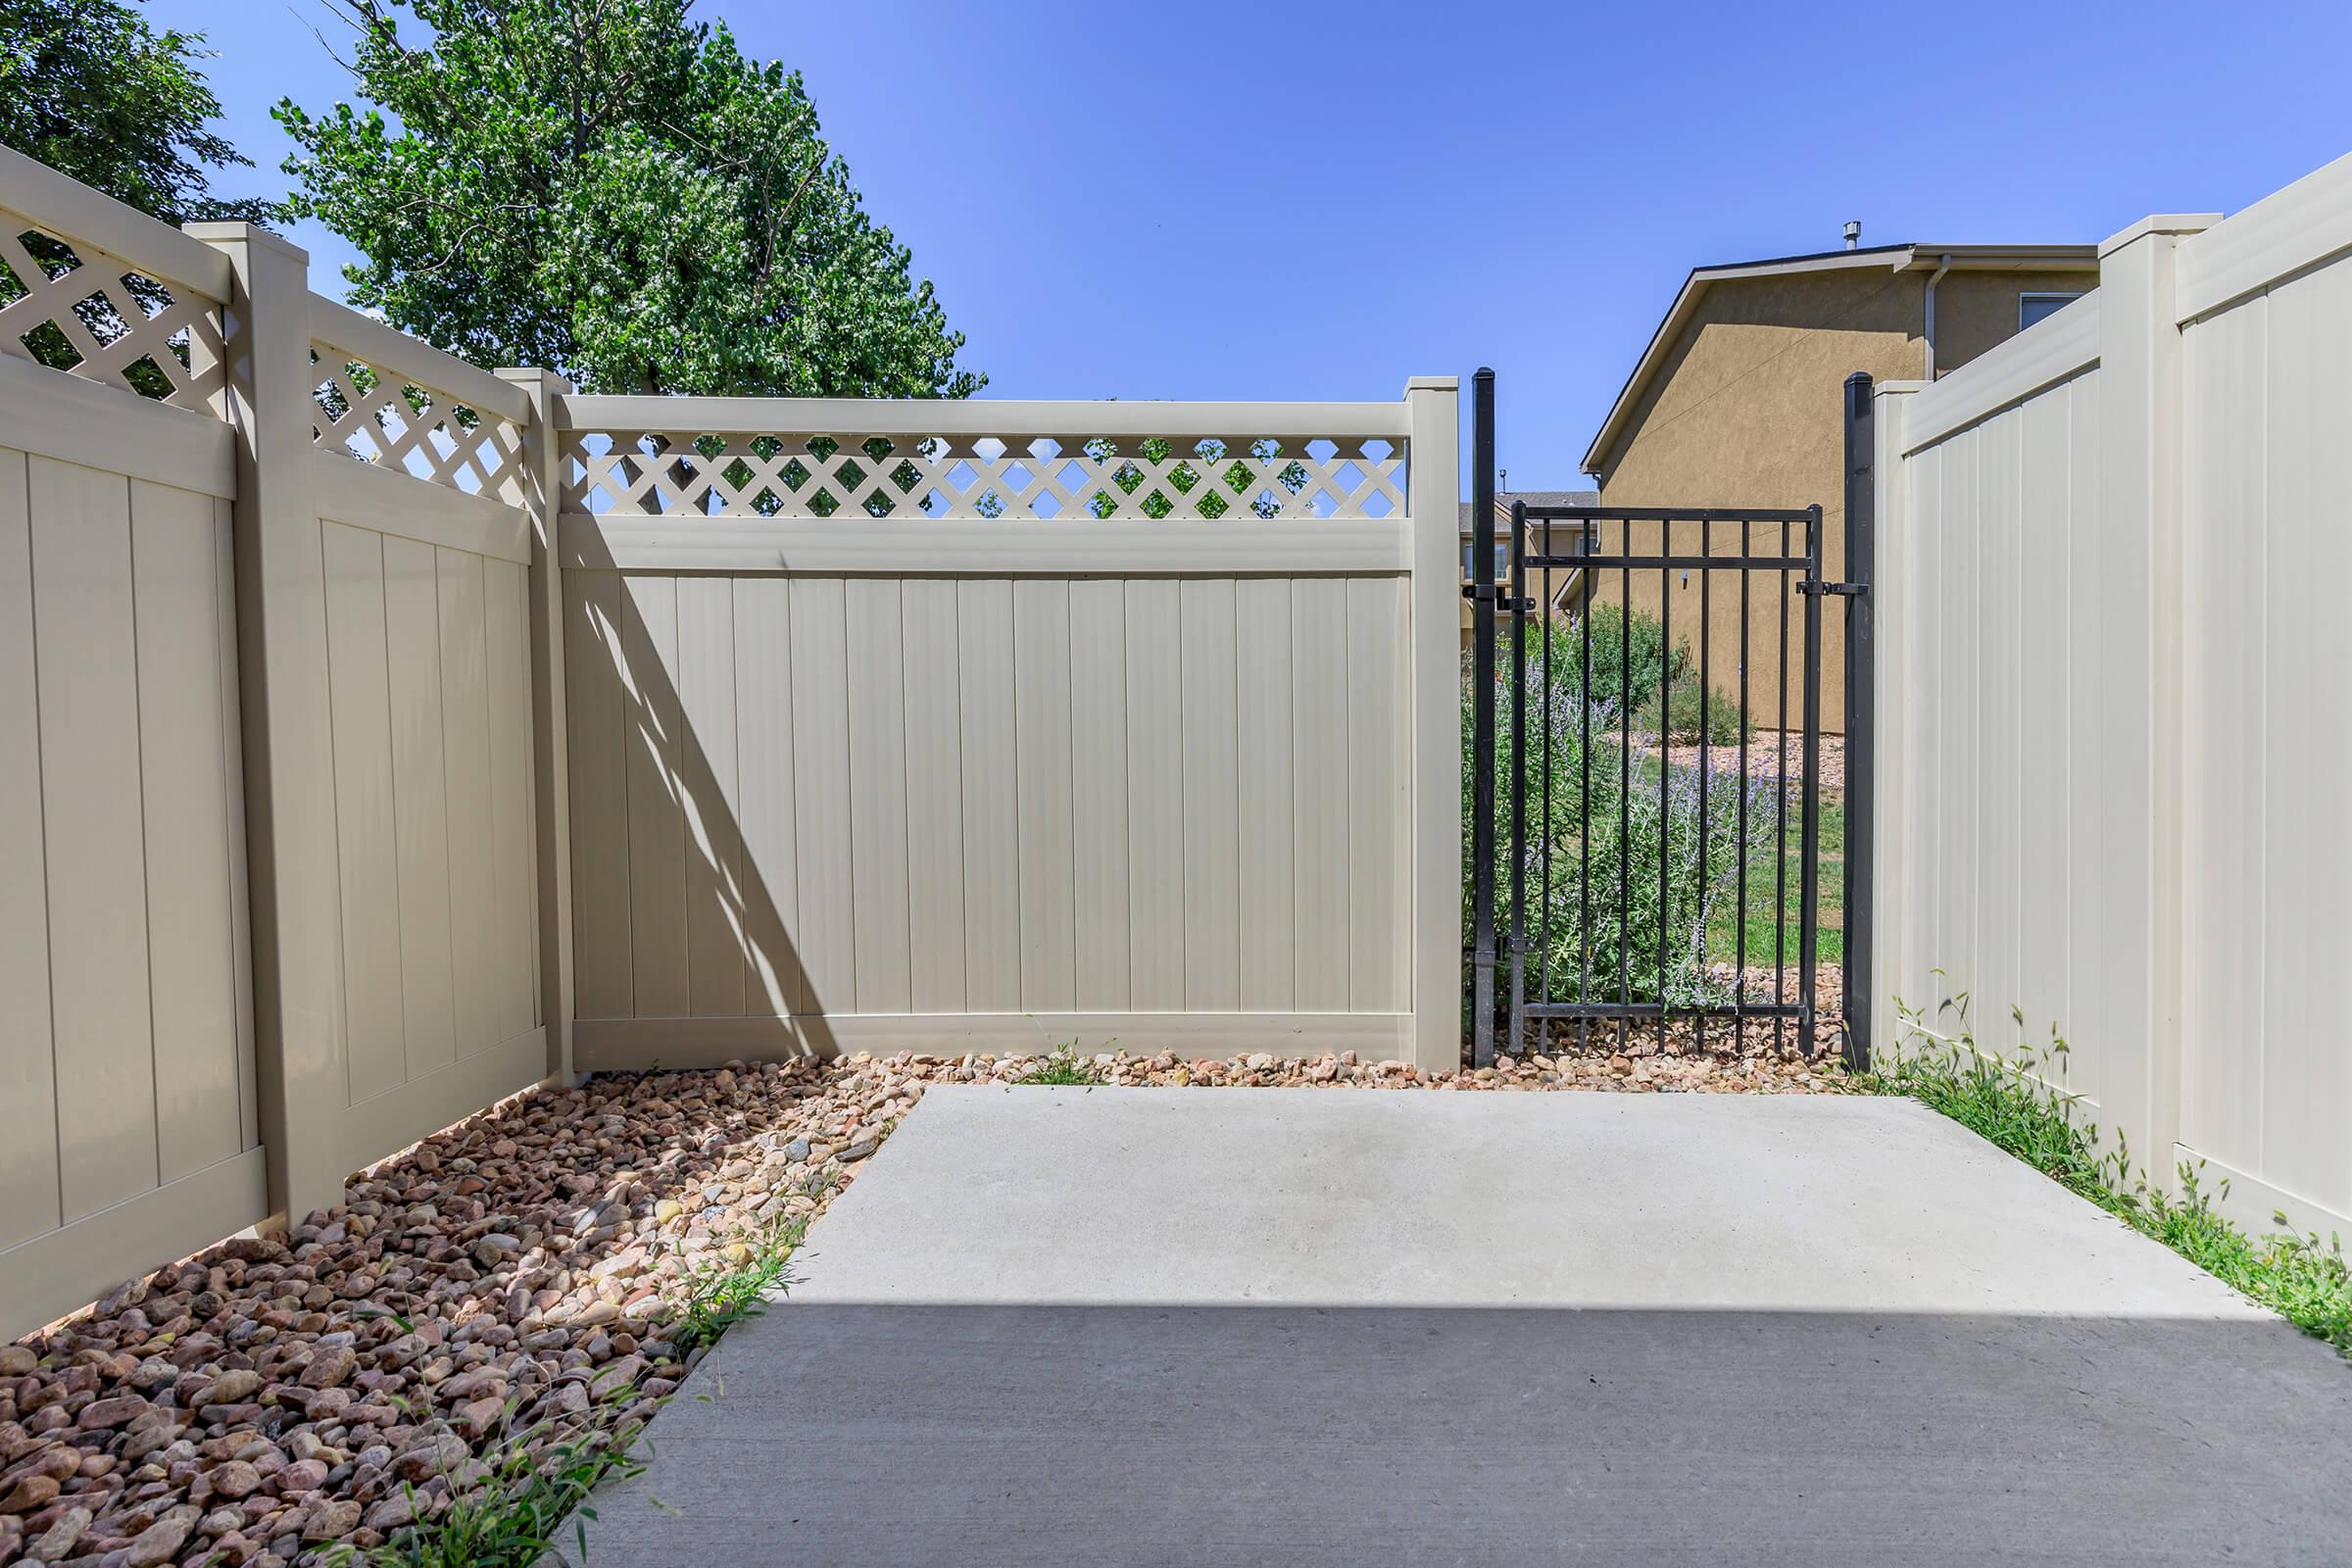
(1154, 1326)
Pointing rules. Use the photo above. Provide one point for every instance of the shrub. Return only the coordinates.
(1631, 659)
(1599, 795)
(1692, 706)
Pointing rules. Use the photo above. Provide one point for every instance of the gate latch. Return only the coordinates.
(1497, 593)
(1849, 590)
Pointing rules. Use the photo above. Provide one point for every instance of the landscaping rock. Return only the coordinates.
(56, 1542)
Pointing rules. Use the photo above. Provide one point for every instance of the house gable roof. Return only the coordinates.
(1890, 258)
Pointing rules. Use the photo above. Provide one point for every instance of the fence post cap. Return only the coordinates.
(2158, 224)
(231, 233)
(533, 375)
(1433, 383)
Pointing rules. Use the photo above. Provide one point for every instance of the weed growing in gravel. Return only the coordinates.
(1063, 1067)
(510, 1519)
(736, 1288)
(2011, 1102)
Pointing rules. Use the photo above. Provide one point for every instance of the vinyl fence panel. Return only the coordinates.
(1071, 724)
(2113, 669)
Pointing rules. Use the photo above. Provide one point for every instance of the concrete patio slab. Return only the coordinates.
(1071, 1326)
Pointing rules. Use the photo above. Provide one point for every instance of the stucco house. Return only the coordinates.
(1736, 400)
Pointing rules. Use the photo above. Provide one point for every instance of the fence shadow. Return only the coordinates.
(721, 886)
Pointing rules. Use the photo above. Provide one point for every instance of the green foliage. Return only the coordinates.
(1692, 706)
(88, 89)
(1154, 501)
(1627, 658)
(1065, 1067)
(1631, 657)
(515, 1514)
(1601, 802)
(618, 194)
(2018, 1102)
(734, 1289)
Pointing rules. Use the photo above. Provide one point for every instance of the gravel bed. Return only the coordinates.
(1763, 758)
(510, 1282)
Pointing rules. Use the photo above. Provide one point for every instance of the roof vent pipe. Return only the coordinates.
(1853, 233)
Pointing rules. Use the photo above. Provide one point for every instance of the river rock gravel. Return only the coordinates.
(511, 1283)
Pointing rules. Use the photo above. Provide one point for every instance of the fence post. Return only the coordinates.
(291, 848)
(1861, 732)
(2138, 534)
(1433, 469)
(1871, 993)
(543, 460)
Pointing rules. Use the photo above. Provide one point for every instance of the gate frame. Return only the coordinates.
(1487, 946)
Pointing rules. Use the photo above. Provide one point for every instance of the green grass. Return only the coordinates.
(1063, 1067)
(1763, 921)
(2010, 1102)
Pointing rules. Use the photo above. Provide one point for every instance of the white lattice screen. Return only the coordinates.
(70, 306)
(381, 419)
(803, 475)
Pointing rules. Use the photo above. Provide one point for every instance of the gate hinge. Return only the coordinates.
(1849, 590)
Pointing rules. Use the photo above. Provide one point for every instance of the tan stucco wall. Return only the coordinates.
(1973, 311)
(1747, 412)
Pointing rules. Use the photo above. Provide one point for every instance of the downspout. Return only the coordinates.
(1934, 278)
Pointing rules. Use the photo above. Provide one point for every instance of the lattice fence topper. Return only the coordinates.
(682, 473)
(72, 307)
(419, 430)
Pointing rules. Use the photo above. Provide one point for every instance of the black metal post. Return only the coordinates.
(1861, 706)
(1808, 847)
(1514, 935)
(1481, 717)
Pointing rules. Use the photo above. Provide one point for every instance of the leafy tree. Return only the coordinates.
(608, 189)
(88, 89)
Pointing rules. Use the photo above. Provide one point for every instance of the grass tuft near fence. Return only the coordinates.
(2011, 1102)
(1063, 1068)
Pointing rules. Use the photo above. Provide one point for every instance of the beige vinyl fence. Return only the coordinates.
(882, 737)
(130, 1119)
(874, 734)
(267, 798)
(2114, 661)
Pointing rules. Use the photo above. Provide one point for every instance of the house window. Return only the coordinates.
(2032, 308)
(1503, 559)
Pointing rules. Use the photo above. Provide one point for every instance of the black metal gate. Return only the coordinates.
(1646, 797)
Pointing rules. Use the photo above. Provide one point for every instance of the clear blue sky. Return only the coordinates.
(1309, 199)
